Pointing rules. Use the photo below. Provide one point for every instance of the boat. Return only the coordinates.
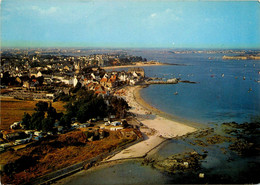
(176, 93)
(223, 75)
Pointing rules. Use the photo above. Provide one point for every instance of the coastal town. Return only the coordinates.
(65, 113)
(43, 81)
(129, 92)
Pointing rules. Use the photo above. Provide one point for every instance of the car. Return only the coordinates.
(107, 124)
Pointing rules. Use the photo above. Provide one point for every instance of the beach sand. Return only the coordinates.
(158, 126)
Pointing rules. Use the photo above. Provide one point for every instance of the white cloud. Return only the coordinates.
(162, 18)
(44, 11)
(153, 15)
(167, 14)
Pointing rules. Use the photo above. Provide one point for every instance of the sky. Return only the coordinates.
(130, 24)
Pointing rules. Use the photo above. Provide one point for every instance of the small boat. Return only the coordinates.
(176, 93)
(250, 89)
(244, 78)
(223, 75)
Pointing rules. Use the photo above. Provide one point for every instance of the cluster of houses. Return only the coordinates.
(52, 74)
(17, 135)
(48, 86)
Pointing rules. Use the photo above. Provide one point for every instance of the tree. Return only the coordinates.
(26, 121)
(59, 115)
(84, 112)
(41, 106)
(120, 106)
(47, 124)
(36, 120)
(51, 112)
(65, 121)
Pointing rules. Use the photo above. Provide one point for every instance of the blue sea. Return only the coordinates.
(226, 90)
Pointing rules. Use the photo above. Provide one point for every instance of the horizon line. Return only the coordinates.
(115, 48)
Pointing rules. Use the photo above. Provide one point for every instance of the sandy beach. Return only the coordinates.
(158, 126)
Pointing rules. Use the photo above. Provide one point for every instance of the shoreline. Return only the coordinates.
(156, 126)
(127, 66)
(146, 105)
(149, 116)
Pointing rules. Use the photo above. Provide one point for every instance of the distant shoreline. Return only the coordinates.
(139, 65)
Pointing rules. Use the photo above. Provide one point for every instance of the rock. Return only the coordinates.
(216, 139)
(180, 162)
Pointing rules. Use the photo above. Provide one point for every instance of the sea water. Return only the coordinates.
(226, 90)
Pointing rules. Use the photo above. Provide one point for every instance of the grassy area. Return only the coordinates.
(55, 154)
(13, 110)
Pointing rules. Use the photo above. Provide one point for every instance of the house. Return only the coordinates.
(122, 77)
(26, 84)
(93, 76)
(50, 96)
(13, 135)
(132, 81)
(85, 81)
(112, 81)
(100, 90)
(15, 125)
(35, 73)
(103, 81)
(67, 68)
(116, 128)
(67, 80)
(75, 81)
(18, 79)
(38, 133)
(137, 70)
(116, 123)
